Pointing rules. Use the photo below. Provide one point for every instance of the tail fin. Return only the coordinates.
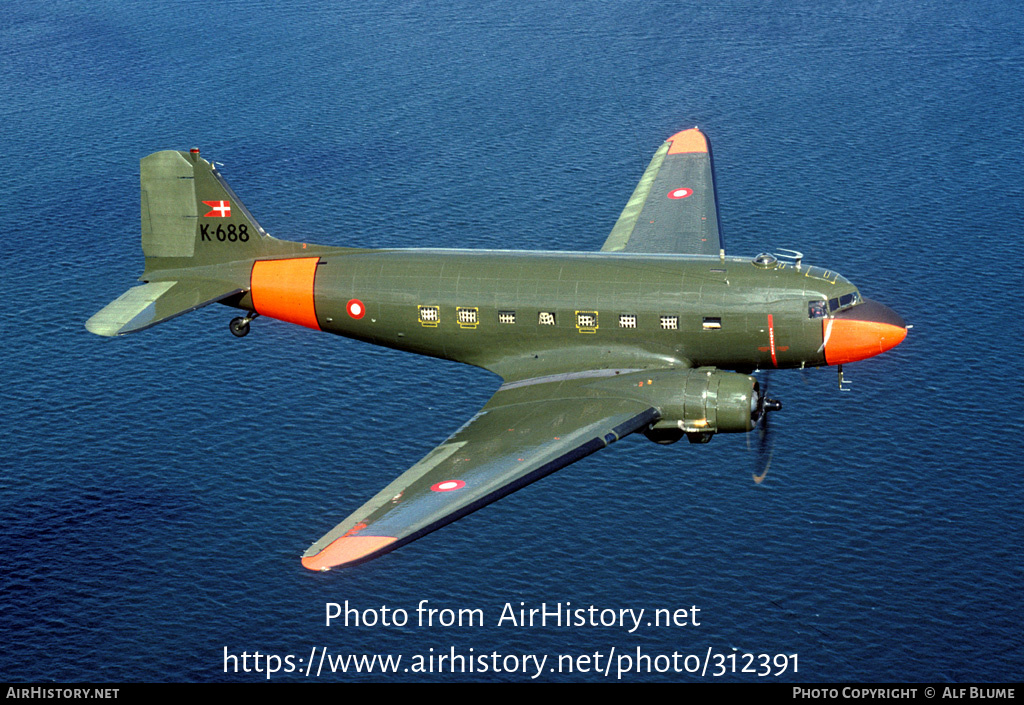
(199, 241)
(190, 212)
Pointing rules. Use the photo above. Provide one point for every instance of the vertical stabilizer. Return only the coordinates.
(192, 218)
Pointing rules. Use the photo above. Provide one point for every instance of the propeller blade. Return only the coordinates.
(766, 405)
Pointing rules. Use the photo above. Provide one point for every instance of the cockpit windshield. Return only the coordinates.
(822, 308)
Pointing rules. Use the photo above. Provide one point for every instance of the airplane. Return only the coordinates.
(659, 332)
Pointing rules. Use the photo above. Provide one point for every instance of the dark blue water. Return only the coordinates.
(156, 491)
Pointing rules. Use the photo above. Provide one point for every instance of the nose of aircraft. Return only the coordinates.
(862, 331)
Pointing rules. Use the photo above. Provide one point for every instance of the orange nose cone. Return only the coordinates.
(863, 331)
(345, 550)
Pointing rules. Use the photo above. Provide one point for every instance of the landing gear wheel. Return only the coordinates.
(239, 327)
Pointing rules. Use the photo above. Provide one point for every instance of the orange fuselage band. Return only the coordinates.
(283, 289)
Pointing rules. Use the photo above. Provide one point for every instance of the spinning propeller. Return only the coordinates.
(765, 405)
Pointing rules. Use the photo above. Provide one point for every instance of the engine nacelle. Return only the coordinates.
(705, 401)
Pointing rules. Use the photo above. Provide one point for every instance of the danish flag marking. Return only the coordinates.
(221, 209)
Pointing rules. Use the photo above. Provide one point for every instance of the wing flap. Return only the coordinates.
(511, 443)
(673, 209)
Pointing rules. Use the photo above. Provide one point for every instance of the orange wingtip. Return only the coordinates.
(688, 141)
(346, 550)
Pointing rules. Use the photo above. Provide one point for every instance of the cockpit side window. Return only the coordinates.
(816, 309)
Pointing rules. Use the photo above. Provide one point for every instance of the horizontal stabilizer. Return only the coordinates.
(144, 306)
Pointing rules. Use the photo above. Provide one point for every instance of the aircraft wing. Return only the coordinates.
(673, 209)
(527, 430)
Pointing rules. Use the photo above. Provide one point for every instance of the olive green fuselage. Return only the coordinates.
(494, 309)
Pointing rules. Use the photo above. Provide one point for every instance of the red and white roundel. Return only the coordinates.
(355, 308)
(448, 486)
(680, 193)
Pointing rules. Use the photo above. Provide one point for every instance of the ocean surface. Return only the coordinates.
(156, 491)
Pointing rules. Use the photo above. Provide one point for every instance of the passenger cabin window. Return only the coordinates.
(712, 323)
(468, 317)
(669, 322)
(546, 318)
(429, 315)
(586, 321)
(817, 309)
(627, 320)
(508, 317)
